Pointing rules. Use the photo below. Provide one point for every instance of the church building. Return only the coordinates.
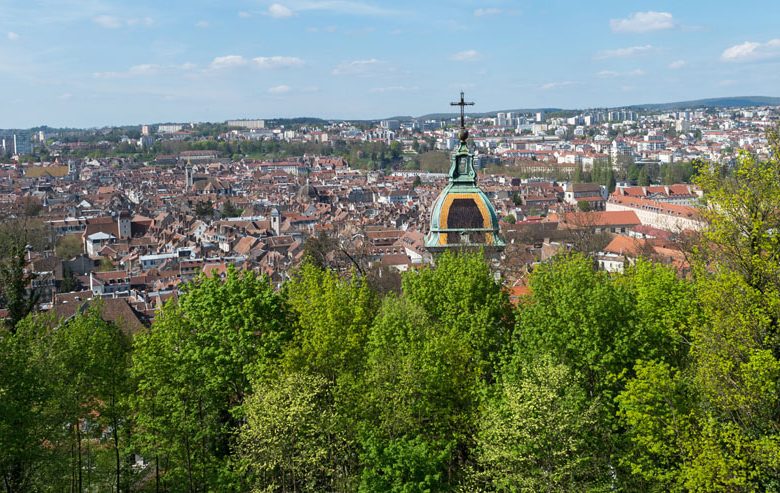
(463, 216)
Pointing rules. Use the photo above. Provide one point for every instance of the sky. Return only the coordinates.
(90, 63)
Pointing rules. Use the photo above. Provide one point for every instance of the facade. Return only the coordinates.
(248, 124)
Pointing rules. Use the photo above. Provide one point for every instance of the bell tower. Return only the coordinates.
(463, 216)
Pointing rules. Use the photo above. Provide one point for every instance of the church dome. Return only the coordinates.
(462, 214)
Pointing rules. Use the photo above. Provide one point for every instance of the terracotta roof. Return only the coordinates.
(601, 218)
(624, 245)
(661, 207)
(115, 310)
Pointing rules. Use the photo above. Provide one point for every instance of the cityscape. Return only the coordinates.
(307, 246)
(140, 210)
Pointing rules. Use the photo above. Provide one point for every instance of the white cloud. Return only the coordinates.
(623, 52)
(274, 62)
(362, 68)
(142, 21)
(751, 51)
(12, 36)
(346, 7)
(279, 11)
(144, 69)
(114, 22)
(487, 11)
(382, 90)
(280, 89)
(466, 56)
(677, 64)
(642, 22)
(610, 74)
(107, 21)
(202, 24)
(556, 85)
(228, 61)
(244, 15)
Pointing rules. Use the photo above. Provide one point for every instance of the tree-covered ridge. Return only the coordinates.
(642, 381)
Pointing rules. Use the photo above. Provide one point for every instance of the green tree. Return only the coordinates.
(204, 209)
(230, 210)
(292, 438)
(26, 420)
(419, 401)
(583, 206)
(743, 216)
(69, 246)
(18, 299)
(657, 409)
(462, 293)
(333, 316)
(582, 319)
(193, 371)
(541, 432)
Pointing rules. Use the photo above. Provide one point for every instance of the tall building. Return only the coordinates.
(248, 124)
(463, 216)
(391, 124)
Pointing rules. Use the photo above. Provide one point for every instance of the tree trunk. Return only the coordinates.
(78, 462)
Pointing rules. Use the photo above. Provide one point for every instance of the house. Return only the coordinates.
(593, 194)
(109, 283)
(96, 241)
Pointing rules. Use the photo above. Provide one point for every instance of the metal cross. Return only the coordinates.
(462, 103)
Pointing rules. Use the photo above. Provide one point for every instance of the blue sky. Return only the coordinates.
(103, 62)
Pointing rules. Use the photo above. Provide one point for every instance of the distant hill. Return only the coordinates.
(303, 120)
(729, 102)
(726, 102)
(445, 116)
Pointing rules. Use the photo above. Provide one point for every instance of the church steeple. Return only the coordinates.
(462, 167)
(462, 214)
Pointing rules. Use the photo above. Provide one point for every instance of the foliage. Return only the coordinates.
(291, 440)
(230, 210)
(67, 424)
(420, 391)
(204, 209)
(541, 432)
(656, 409)
(434, 161)
(193, 371)
(69, 246)
(743, 213)
(333, 318)
(14, 279)
(462, 293)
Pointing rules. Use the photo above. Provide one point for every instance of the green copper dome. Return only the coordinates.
(462, 214)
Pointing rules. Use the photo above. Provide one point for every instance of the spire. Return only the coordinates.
(463, 135)
(462, 167)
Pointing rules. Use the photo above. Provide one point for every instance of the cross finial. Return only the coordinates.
(462, 103)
